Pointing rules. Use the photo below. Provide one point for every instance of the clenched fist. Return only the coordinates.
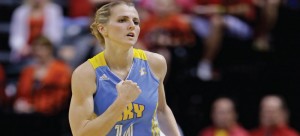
(128, 91)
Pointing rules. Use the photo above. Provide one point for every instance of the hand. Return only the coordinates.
(128, 91)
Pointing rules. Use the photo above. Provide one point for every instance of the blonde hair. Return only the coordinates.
(102, 17)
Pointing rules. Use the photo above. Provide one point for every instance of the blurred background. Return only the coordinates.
(233, 65)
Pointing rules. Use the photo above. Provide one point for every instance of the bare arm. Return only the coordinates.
(81, 114)
(166, 118)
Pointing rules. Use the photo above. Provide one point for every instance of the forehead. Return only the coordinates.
(124, 10)
(223, 104)
(271, 103)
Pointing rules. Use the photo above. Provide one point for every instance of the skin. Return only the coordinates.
(223, 114)
(124, 19)
(272, 114)
(38, 3)
(269, 14)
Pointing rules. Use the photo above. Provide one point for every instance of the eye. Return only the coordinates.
(136, 22)
(121, 20)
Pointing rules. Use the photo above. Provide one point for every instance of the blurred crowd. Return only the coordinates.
(47, 40)
(273, 119)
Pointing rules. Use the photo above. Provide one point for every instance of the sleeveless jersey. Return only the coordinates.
(139, 118)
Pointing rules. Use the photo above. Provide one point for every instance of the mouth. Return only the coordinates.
(130, 34)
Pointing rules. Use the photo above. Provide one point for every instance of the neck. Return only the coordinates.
(118, 57)
(227, 126)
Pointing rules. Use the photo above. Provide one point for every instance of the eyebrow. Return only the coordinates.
(128, 17)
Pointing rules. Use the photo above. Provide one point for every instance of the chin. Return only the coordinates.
(129, 43)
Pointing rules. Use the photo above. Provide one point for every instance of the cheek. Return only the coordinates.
(138, 29)
(116, 27)
(217, 116)
(116, 31)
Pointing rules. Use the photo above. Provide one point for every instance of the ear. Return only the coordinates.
(102, 29)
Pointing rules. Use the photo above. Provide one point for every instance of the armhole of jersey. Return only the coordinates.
(149, 67)
(96, 77)
(97, 61)
(97, 84)
(151, 73)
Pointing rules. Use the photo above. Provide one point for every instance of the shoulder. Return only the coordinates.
(155, 57)
(206, 131)
(292, 132)
(256, 132)
(85, 70)
(242, 131)
(21, 10)
(157, 64)
(83, 78)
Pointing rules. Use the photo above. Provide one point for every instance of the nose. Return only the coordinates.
(131, 25)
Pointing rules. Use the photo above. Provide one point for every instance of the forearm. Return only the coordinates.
(101, 125)
(167, 122)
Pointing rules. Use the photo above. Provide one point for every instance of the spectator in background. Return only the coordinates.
(44, 85)
(274, 118)
(214, 20)
(165, 28)
(80, 8)
(224, 119)
(268, 18)
(30, 20)
(78, 44)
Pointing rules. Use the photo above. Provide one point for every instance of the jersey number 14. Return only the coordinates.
(128, 132)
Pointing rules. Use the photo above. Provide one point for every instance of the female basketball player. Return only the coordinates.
(120, 91)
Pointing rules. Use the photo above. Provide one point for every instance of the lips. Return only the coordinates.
(130, 34)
